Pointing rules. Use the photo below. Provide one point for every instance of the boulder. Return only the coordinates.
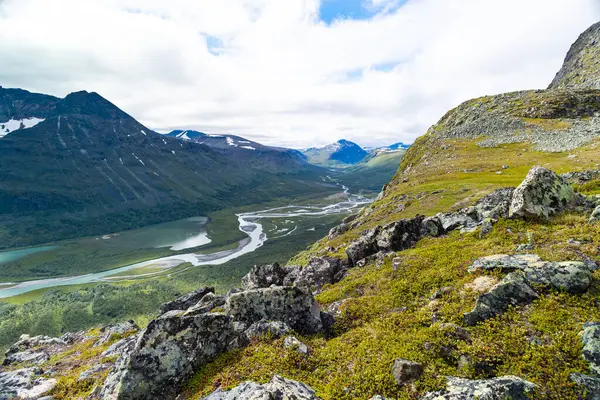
(400, 235)
(25, 384)
(319, 272)
(513, 290)
(501, 388)
(590, 339)
(364, 246)
(263, 276)
(504, 262)
(405, 371)
(278, 389)
(496, 204)
(275, 329)
(123, 346)
(541, 194)
(432, 226)
(27, 342)
(169, 350)
(115, 329)
(291, 342)
(571, 276)
(94, 371)
(187, 300)
(588, 384)
(292, 305)
(206, 304)
(453, 221)
(27, 356)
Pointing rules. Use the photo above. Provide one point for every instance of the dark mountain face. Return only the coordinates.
(340, 152)
(89, 168)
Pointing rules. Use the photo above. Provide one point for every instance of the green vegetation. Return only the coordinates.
(391, 314)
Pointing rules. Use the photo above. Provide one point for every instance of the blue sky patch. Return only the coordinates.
(332, 10)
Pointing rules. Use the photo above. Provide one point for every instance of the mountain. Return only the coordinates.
(581, 69)
(246, 150)
(342, 152)
(81, 166)
(398, 146)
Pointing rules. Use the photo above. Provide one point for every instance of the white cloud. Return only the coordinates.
(277, 73)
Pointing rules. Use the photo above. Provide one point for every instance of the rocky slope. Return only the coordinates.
(473, 276)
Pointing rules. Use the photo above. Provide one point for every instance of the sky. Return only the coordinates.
(294, 73)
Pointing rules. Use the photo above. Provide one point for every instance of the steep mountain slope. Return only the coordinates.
(87, 167)
(581, 69)
(340, 153)
(373, 171)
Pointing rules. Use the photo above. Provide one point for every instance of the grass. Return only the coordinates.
(389, 315)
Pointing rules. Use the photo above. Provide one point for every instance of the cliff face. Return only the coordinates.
(581, 69)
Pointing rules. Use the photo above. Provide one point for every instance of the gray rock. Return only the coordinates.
(541, 194)
(263, 276)
(405, 371)
(292, 305)
(504, 262)
(275, 328)
(513, 290)
(24, 383)
(501, 388)
(432, 226)
(378, 397)
(495, 205)
(115, 329)
(27, 356)
(400, 235)
(319, 272)
(206, 304)
(169, 350)
(278, 389)
(486, 228)
(187, 300)
(122, 346)
(595, 217)
(588, 384)
(335, 308)
(571, 276)
(591, 346)
(455, 221)
(364, 246)
(93, 371)
(291, 342)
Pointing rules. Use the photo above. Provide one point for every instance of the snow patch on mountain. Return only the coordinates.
(16, 124)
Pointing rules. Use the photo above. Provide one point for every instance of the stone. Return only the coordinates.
(319, 272)
(364, 246)
(291, 342)
(501, 388)
(571, 276)
(206, 304)
(336, 307)
(27, 342)
(513, 290)
(590, 339)
(400, 235)
(486, 228)
(595, 216)
(263, 276)
(93, 371)
(504, 262)
(275, 329)
(27, 356)
(495, 205)
(122, 346)
(378, 397)
(24, 384)
(455, 221)
(115, 329)
(278, 389)
(588, 384)
(541, 195)
(292, 305)
(169, 350)
(405, 371)
(187, 300)
(432, 226)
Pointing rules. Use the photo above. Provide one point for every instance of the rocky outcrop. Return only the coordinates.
(512, 291)
(532, 276)
(187, 300)
(291, 342)
(595, 216)
(263, 276)
(25, 384)
(542, 194)
(107, 332)
(591, 346)
(590, 385)
(292, 305)
(278, 389)
(501, 388)
(177, 343)
(33, 350)
(582, 64)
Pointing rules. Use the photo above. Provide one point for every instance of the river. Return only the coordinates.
(248, 223)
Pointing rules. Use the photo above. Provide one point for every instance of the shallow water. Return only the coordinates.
(14, 255)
